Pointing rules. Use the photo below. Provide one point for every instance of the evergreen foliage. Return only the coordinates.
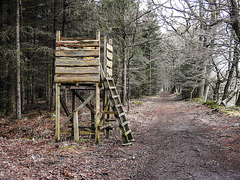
(135, 33)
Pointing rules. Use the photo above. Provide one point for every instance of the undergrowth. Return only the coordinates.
(233, 110)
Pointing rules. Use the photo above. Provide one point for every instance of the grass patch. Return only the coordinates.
(211, 104)
(198, 100)
(68, 147)
(138, 103)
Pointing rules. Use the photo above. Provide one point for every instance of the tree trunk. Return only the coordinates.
(216, 90)
(48, 86)
(18, 110)
(64, 17)
(128, 85)
(1, 14)
(230, 96)
(231, 71)
(238, 100)
(53, 59)
(124, 76)
(234, 15)
(23, 96)
(150, 74)
(11, 78)
(201, 82)
(206, 91)
(11, 101)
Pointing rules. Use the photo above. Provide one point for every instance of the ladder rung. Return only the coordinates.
(115, 96)
(118, 105)
(109, 120)
(128, 132)
(124, 123)
(121, 114)
(112, 87)
(127, 144)
(67, 132)
(109, 79)
(87, 128)
(109, 112)
(86, 132)
(105, 127)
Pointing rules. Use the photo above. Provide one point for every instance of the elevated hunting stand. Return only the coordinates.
(78, 67)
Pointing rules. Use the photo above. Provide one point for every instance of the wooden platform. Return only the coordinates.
(77, 61)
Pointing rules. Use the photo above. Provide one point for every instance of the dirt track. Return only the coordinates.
(188, 141)
(174, 140)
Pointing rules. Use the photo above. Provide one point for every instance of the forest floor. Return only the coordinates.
(174, 140)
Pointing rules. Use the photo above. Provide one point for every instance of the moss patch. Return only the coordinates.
(213, 105)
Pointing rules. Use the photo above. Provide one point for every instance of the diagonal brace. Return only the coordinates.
(64, 106)
(88, 105)
(78, 109)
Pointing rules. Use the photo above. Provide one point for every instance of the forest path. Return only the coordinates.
(174, 140)
(187, 140)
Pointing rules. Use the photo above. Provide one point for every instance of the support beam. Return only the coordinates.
(105, 56)
(58, 35)
(57, 123)
(58, 103)
(64, 106)
(78, 109)
(93, 123)
(88, 105)
(97, 114)
(75, 126)
(73, 107)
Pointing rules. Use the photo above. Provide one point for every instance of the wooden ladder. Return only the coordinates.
(119, 114)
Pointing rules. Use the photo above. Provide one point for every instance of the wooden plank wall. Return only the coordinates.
(77, 60)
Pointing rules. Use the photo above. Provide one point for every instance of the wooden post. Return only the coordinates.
(92, 123)
(75, 126)
(98, 34)
(105, 56)
(98, 37)
(73, 107)
(58, 102)
(75, 119)
(105, 72)
(58, 36)
(97, 114)
(105, 103)
(57, 123)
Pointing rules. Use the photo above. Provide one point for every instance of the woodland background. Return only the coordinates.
(189, 47)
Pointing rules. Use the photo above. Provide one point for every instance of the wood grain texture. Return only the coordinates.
(109, 55)
(77, 38)
(109, 64)
(76, 70)
(109, 47)
(68, 61)
(77, 53)
(76, 79)
(109, 71)
(57, 121)
(78, 44)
